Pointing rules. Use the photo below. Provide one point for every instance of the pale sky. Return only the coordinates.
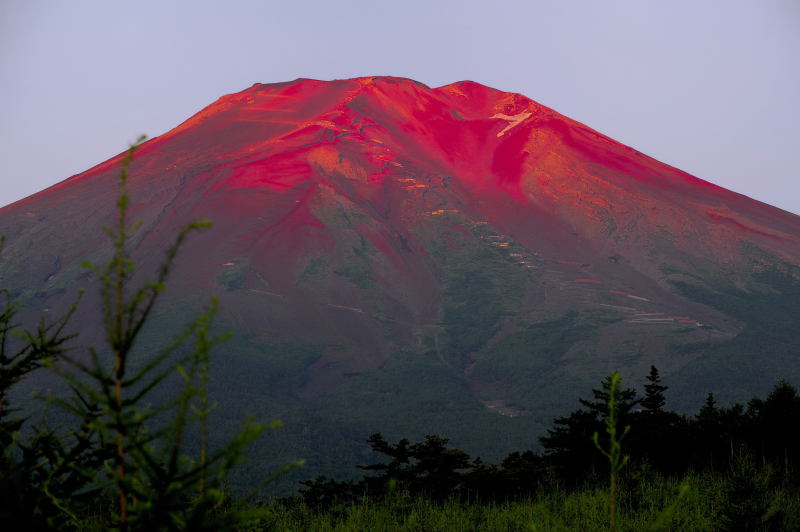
(711, 87)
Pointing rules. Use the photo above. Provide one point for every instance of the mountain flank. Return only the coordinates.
(398, 258)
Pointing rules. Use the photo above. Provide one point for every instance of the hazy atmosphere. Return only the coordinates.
(708, 87)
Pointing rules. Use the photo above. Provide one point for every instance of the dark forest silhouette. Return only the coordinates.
(754, 446)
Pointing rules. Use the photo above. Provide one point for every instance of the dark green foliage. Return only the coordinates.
(747, 494)
(523, 361)
(120, 454)
(521, 474)
(233, 276)
(746, 481)
(767, 345)
(625, 399)
(615, 433)
(654, 400)
(431, 469)
(690, 503)
(568, 445)
(314, 269)
(659, 431)
(32, 481)
(480, 288)
(776, 419)
(472, 308)
(357, 271)
(411, 396)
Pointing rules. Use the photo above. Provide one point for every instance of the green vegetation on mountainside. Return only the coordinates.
(768, 308)
(482, 285)
(525, 367)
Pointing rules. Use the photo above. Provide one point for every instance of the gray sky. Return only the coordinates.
(712, 87)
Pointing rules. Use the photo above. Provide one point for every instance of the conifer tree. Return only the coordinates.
(568, 445)
(658, 433)
(626, 399)
(708, 412)
(30, 480)
(654, 401)
(141, 447)
(126, 449)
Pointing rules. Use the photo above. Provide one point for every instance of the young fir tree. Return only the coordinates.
(615, 433)
(28, 462)
(146, 467)
(126, 454)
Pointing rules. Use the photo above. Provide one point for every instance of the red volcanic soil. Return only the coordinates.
(329, 199)
(285, 141)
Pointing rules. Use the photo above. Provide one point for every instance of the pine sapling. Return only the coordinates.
(613, 452)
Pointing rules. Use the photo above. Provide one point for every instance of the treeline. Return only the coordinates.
(760, 437)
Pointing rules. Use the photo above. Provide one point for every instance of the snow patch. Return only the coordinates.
(513, 120)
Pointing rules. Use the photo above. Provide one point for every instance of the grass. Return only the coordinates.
(646, 506)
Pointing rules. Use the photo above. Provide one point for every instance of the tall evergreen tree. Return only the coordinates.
(717, 432)
(708, 412)
(658, 433)
(774, 430)
(654, 400)
(428, 467)
(397, 468)
(626, 399)
(568, 445)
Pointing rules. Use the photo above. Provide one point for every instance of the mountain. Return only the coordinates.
(399, 258)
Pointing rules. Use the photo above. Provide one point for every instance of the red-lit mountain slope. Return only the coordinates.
(365, 219)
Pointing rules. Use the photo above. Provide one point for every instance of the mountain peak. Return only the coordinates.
(384, 127)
